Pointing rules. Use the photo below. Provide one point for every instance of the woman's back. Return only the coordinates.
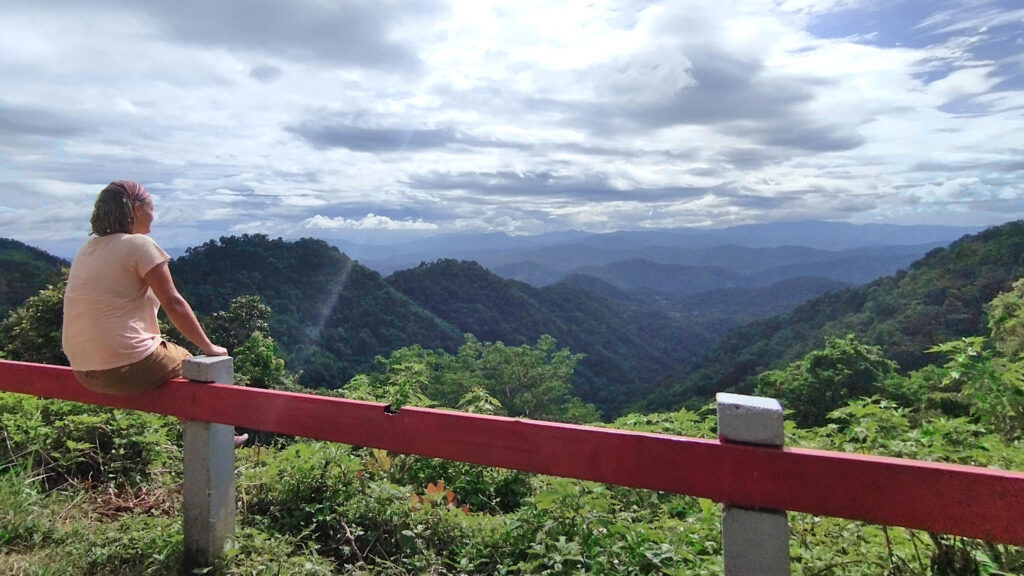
(109, 310)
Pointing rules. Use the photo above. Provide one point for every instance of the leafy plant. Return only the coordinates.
(827, 379)
(32, 332)
(70, 442)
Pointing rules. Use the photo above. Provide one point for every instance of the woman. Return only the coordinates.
(118, 281)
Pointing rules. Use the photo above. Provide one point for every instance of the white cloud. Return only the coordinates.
(973, 16)
(302, 201)
(369, 222)
(963, 82)
(822, 6)
(615, 114)
(960, 190)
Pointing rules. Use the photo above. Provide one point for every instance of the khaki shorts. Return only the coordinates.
(146, 374)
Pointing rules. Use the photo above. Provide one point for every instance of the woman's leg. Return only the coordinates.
(160, 366)
(146, 374)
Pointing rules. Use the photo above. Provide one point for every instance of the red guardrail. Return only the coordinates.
(967, 501)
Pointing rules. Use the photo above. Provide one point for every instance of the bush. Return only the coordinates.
(70, 442)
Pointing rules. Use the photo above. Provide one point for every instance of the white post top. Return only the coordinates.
(219, 369)
(749, 419)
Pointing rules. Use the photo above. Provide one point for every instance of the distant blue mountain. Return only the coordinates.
(568, 250)
(817, 234)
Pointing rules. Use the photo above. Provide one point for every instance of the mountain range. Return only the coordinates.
(940, 297)
(663, 318)
(563, 251)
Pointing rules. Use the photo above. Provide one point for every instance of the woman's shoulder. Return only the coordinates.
(139, 242)
(147, 248)
(105, 244)
(143, 239)
(120, 238)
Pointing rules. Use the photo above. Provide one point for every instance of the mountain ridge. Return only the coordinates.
(497, 249)
(644, 346)
(26, 269)
(939, 298)
(626, 344)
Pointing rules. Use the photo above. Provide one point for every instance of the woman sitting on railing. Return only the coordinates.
(118, 281)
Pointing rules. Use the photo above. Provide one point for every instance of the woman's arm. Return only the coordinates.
(178, 310)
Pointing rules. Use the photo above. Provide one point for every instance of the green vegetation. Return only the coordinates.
(940, 298)
(25, 270)
(88, 490)
(332, 316)
(483, 377)
(31, 332)
(828, 379)
(626, 346)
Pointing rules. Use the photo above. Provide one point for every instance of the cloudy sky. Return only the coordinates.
(372, 120)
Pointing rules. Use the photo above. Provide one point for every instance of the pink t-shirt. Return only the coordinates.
(109, 310)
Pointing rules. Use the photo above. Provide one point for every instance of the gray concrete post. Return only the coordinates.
(754, 542)
(209, 470)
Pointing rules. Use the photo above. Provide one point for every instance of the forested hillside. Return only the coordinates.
(939, 298)
(743, 305)
(95, 491)
(88, 490)
(24, 271)
(637, 274)
(626, 345)
(331, 316)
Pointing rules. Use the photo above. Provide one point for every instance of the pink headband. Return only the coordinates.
(136, 193)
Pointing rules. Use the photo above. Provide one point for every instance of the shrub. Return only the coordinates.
(70, 442)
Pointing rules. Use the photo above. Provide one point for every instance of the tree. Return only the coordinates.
(1006, 320)
(532, 381)
(827, 379)
(399, 379)
(246, 315)
(257, 364)
(987, 373)
(32, 332)
(483, 377)
(321, 370)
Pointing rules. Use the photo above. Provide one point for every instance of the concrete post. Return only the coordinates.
(209, 470)
(754, 542)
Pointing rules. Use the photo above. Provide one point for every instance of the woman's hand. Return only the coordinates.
(215, 350)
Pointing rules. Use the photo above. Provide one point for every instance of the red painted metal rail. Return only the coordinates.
(963, 500)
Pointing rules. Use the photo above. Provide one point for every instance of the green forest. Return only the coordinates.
(927, 364)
